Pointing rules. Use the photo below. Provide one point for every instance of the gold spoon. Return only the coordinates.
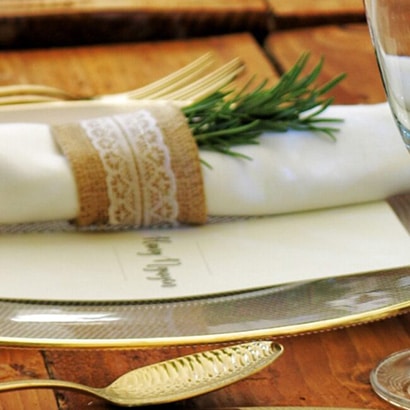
(174, 379)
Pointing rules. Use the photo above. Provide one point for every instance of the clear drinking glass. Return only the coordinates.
(389, 24)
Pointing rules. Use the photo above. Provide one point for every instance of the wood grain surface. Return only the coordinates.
(75, 22)
(321, 369)
(345, 49)
(317, 8)
(78, 22)
(297, 13)
(26, 7)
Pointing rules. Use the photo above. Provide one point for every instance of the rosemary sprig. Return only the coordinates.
(226, 118)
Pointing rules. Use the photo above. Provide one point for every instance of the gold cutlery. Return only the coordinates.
(174, 379)
(187, 83)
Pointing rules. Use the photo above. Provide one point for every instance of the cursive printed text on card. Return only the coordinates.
(159, 266)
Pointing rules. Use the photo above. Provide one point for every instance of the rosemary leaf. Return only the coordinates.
(226, 119)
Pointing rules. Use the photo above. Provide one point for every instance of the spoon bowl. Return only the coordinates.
(172, 380)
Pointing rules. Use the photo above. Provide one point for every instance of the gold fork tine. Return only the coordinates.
(208, 90)
(210, 83)
(171, 82)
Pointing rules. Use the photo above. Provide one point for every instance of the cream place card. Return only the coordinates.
(197, 261)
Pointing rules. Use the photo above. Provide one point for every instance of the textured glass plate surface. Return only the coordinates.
(275, 311)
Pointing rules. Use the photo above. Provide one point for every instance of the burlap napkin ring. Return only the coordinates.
(140, 168)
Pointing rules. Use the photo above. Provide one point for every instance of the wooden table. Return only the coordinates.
(321, 369)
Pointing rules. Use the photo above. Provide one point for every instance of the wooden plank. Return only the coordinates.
(345, 48)
(42, 7)
(294, 13)
(42, 23)
(16, 364)
(317, 8)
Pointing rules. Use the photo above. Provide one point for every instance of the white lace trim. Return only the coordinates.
(141, 185)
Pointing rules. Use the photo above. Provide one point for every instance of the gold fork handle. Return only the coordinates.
(34, 89)
(47, 384)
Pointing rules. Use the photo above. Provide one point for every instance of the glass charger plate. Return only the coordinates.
(269, 312)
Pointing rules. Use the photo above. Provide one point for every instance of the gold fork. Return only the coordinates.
(185, 84)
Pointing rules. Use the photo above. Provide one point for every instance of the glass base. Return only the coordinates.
(391, 379)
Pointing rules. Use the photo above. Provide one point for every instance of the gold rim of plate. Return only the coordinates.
(261, 334)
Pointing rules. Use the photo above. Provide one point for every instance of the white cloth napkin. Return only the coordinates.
(299, 171)
(288, 172)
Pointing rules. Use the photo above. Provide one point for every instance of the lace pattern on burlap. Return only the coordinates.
(145, 164)
(140, 183)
